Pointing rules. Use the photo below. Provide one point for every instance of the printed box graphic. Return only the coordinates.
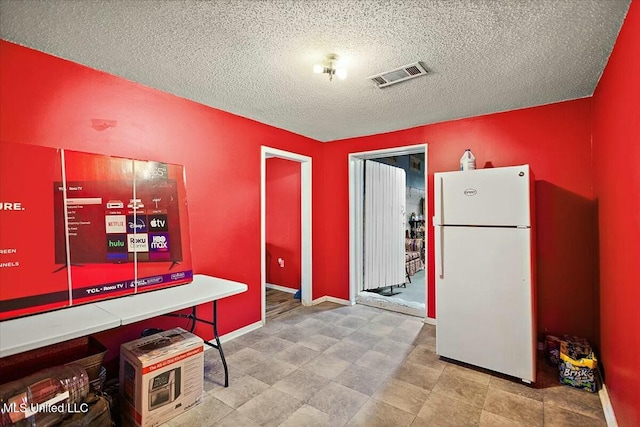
(99, 223)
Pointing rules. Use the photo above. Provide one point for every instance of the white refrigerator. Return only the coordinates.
(485, 271)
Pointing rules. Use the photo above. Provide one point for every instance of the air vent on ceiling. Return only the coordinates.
(398, 75)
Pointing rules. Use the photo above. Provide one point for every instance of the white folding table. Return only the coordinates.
(39, 330)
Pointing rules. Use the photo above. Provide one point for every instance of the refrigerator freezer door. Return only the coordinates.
(484, 300)
(493, 197)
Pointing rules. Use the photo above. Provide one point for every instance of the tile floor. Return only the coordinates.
(332, 365)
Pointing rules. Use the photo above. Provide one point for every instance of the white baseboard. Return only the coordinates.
(331, 299)
(281, 288)
(607, 408)
(241, 331)
(430, 321)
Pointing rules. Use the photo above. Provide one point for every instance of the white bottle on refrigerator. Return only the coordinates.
(467, 161)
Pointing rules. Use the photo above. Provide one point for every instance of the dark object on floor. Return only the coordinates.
(97, 413)
(297, 295)
(150, 331)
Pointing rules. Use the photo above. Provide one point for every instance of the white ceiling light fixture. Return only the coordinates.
(330, 66)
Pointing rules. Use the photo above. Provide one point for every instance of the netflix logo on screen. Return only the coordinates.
(158, 223)
(136, 224)
(116, 224)
(138, 242)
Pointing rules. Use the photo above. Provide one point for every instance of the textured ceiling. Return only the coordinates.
(254, 58)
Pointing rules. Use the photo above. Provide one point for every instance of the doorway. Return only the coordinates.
(305, 220)
(417, 280)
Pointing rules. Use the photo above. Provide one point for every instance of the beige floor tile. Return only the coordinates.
(270, 371)
(270, 345)
(346, 350)
(393, 348)
(352, 322)
(406, 336)
(402, 395)
(418, 375)
(250, 338)
(318, 342)
(574, 400)
(488, 419)
(467, 372)
(301, 384)
(339, 402)
(364, 380)
(245, 359)
(290, 333)
(444, 411)
(376, 360)
(206, 413)
(310, 324)
(270, 408)
(326, 365)
(379, 330)
(336, 331)
(457, 387)
(308, 416)
(558, 417)
(364, 337)
(296, 355)
(328, 317)
(362, 311)
(516, 387)
(521, 409)
(388, 318)
(241, 389)
(236, 419)
(422, 355)
(379, 414)
(413, 324)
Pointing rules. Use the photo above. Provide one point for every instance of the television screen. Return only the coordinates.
(113, 222)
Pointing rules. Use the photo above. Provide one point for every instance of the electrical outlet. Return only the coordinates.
(281, 262)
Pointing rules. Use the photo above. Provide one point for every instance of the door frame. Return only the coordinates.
(356, 181)
(305, 216)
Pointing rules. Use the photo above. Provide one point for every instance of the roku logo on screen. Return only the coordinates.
(138, 242)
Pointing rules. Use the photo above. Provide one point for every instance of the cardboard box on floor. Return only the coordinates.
(161, 376)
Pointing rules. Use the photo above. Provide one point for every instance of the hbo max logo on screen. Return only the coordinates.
(159, 242)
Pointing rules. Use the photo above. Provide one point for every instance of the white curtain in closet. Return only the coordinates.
(384, 225)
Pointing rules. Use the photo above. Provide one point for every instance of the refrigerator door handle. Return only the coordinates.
(437, 217)
(440, 254)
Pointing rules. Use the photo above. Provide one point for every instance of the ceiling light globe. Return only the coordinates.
(318, 69)
(341, 73)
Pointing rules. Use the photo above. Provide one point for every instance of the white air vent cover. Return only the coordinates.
(398, 75)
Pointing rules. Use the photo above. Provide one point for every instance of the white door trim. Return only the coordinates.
(355, 212)
(305, 216)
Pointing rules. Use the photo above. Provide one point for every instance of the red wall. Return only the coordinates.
(283, 222)
(616, 161)
(53, 102)
(554, 139)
